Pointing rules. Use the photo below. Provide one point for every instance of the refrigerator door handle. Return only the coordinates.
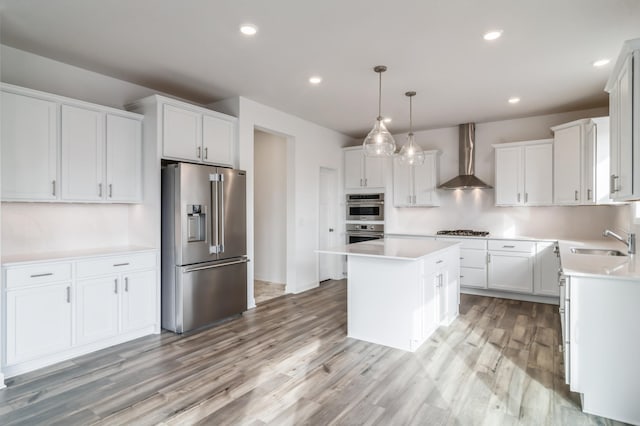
(214, 248)
(221, 213)
(219, 265)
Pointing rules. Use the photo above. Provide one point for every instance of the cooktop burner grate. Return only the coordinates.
(464, 233)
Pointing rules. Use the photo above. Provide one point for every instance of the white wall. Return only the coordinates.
(309, 147)
(270, 212)
(475, 209)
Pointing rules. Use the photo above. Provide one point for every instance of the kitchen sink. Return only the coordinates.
(601, 252)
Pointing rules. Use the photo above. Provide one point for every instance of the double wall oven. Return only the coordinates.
(365, 214)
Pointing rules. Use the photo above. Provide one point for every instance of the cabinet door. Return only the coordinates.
(353, 163)
(402, 184)
(139, 300)
(218, 138)
(624, 135)
(547, 266)
(124, 159)
(509, 176)
(82, 148)
(424, 178)
(181, 133)
(29, 148)
(97, 309)
(373, 172)
(511, 271)
(538, 175)
(567, 171)
(589, 164)
(38, 321)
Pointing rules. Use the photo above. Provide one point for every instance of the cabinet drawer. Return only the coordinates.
(115, 264)
(468, 243)
(38, 274)
(473, 277)
(512, 245)
(473, 258)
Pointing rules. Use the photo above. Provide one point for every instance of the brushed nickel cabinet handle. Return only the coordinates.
(508, 246)
(612, 184)
(68, 294)
(198, 152)
(589, 194)
(53, 184)
(115, 286)
(126, 284)
(100, 190)
(206, 153)
(518, 197)
(526, 197)
(47, 274)
(576, 195)
(121, 264)
(110, 190)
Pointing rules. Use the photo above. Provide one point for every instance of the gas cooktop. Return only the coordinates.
(464, 233)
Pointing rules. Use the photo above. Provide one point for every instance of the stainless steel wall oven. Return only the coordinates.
(365, 206)
(357, 233)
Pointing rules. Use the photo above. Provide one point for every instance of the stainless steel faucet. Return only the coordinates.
(630, 241)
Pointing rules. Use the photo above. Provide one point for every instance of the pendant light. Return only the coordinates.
(379, 142)
(410, 153)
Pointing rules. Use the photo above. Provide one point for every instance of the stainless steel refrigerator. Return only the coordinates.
(204, 264)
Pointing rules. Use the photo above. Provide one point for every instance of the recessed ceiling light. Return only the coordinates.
(315, 79)
(601, 62)
(387, 120)
(514, 100)
(492, 35)
(248, 29)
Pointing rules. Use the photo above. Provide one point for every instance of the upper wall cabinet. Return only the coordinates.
(415, 186)
(524, 173)
(362, 172)
(189, 132)
(581, 162)
(61, 149)
(624, 108)
(29, 148)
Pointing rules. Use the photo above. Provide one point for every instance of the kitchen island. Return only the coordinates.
(399, 290)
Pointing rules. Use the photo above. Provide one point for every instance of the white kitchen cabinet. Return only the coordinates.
(61, 309)
(99, 149)
(524, 173)
(196, 134)
(29, 147)
(218, 137)
(415, 186)
(361, 171)
(38, 321)
(510, 265)
(97, 303)
(581, 162)
(138, 300)
(124, 159)
(624, 108)
(547, 265)
(473, 261)
(82, 152)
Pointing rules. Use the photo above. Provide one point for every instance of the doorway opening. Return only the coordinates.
(270, 215)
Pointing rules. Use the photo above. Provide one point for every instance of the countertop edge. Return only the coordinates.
(71, 255)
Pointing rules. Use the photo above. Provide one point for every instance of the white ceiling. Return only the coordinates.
(193, 49)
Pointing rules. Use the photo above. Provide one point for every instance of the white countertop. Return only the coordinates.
(391, 248)
(488, 237)
(618, 267)
(14, 260)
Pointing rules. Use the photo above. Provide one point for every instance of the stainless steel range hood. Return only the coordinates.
(466, 159)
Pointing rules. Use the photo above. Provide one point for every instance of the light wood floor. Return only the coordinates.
(289, 362)
(264, 290)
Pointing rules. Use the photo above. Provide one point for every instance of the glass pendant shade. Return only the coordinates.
(379, 142)
(410, 153)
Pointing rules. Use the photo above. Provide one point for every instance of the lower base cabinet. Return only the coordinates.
(38, 321)
(53, 314)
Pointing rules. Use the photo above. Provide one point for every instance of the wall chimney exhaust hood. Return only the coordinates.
(466, 160)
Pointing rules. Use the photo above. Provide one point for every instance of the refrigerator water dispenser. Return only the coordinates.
(196, 225)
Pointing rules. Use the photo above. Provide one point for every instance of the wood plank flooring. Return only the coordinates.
(289, 362)
(265, 290)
